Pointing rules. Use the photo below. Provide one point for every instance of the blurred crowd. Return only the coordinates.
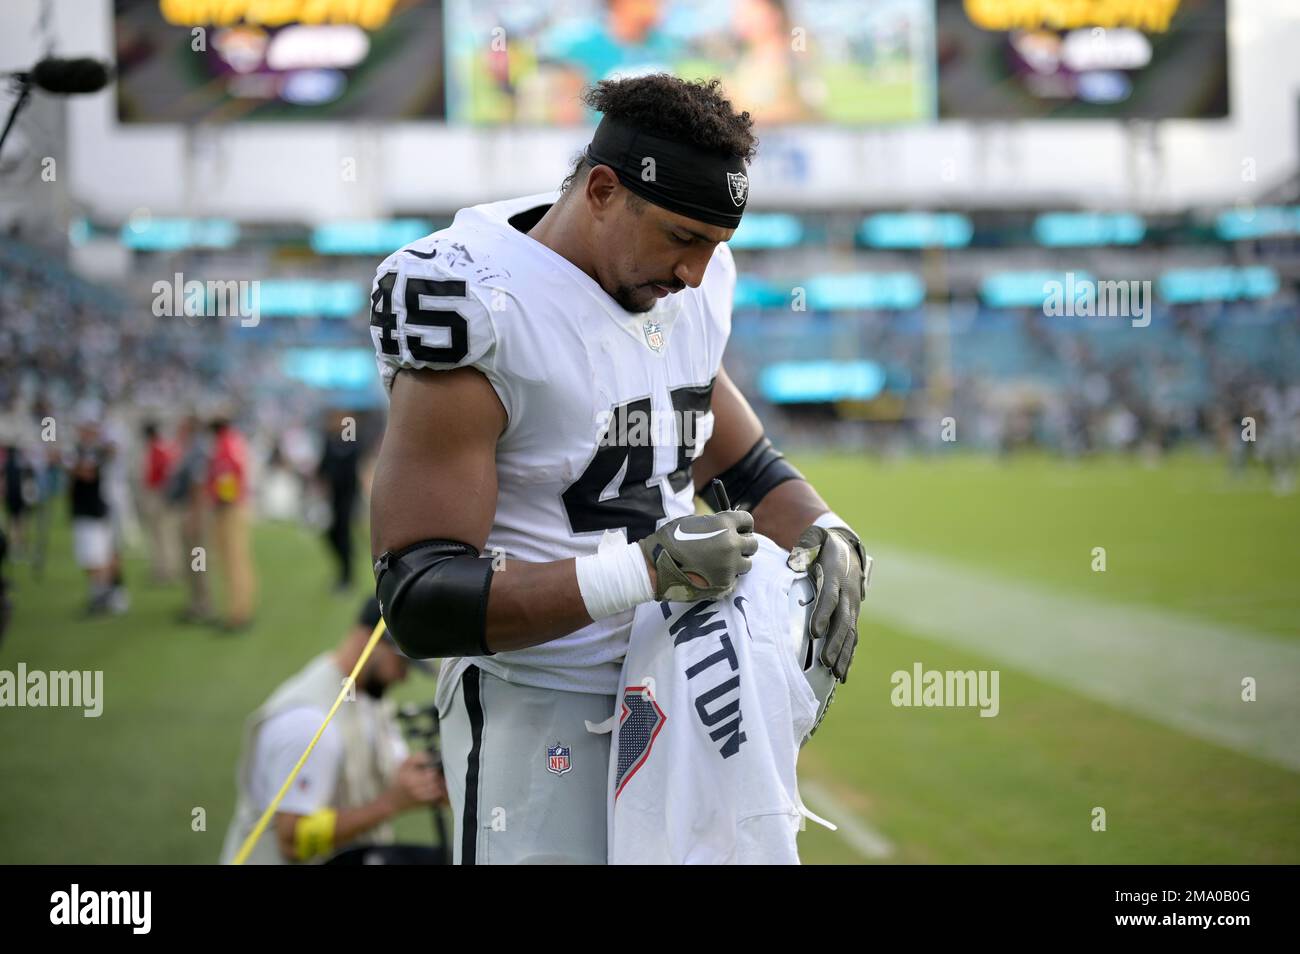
(1224, 378)
(64, 338)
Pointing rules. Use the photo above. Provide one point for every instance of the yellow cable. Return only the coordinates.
(247, 847)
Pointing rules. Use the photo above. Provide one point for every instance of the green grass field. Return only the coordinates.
(938, 785)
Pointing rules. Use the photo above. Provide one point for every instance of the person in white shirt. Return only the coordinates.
(359, 776)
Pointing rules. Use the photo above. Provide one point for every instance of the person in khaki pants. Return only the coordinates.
(228, 492)
(161, 520)
(187, 492)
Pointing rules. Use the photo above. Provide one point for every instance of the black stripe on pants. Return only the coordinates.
(470, 683)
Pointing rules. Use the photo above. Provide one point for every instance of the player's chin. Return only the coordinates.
(637, 298)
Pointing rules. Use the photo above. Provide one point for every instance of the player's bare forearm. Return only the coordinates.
(735, 430)
(791, 506)
(533, 603)
(787, 511)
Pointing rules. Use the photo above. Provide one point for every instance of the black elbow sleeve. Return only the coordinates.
(434, 596)
(753, 477)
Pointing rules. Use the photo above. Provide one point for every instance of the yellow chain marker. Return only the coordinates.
(247, 847)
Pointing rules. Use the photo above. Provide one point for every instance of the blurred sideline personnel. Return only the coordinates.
(228, 488)
(340, 470)
(6, 605)
(49, 465)
(18, 480)
(359, 776)
(187, 494)
(116, 486)
(156, 511)
(93, 535)
(557, 394)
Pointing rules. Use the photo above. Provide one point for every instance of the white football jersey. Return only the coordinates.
(713, 708)
(607, 409)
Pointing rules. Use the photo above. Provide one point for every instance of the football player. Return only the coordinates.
(557, 401)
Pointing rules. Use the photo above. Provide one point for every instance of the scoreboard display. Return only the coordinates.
(204, 60)
(1082, 59)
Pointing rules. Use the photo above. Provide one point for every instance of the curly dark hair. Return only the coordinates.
(694, 112)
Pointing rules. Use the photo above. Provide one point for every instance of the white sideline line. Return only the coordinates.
(1180, 670)
(864, 839)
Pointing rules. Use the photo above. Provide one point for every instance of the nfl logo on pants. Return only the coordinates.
(557, 759)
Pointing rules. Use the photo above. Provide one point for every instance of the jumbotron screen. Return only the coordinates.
(227, 60)
(803, 61)
(1082, 59)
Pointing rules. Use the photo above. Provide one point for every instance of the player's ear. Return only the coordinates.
(601, 190)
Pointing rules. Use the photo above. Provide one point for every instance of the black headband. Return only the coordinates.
(680, 178)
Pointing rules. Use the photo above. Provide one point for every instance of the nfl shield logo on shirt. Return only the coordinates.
(557, 759)
(654, 335)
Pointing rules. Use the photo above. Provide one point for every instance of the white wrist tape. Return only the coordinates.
(831, 519)
(614, 579)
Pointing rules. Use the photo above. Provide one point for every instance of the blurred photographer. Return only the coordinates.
(359, 776)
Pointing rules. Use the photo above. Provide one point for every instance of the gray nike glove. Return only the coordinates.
(839, 569)
(716, 547)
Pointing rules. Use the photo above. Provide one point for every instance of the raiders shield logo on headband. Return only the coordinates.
(739, 185)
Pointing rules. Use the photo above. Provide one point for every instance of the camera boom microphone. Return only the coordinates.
(81, 75)
(55, 75)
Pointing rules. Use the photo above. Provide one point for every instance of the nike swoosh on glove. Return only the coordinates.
(714, 547)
